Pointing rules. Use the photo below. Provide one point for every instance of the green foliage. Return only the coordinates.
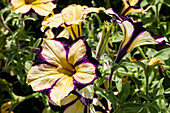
(144, 89)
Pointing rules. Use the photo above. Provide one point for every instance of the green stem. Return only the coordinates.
(147, 85)
(32, 95)
(141, 52)
(111, 75)
(3, 23)
(125, 73)
(98, 19)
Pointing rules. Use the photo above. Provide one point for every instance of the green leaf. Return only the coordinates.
(10, 58)
(155, 91)
(132, 107)
(158, 97)
(124, 92)
(144, 110)
(37, 43)
(154, 108)
(21, 77)
(164, 54)
(146, 97)
(124, 67)
(151, 52)
(137, 82)
(140, 63)
(167, 91)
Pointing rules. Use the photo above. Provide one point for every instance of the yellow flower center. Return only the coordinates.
(67, 71)
(29, 1)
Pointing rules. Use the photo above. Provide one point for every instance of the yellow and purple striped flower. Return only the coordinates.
(134, 34)
(41, 7)
(62, 66)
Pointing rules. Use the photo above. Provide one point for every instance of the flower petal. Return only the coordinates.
(131, 6)
(85, 95)
(54, 53)
(52, 21)
(77, 107)
(85, 73)
(57, 33)
(76, 51)
(93, 10)
(44, 8)
(68, 99)
(74, 30)
(73, 14)
(21, 9)
(62, 88)
(42, 76)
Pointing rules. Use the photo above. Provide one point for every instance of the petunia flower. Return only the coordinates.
(76, 102)
(130, 6)
(71, 18)
(134, 34)
(62, 66)
(42, 7)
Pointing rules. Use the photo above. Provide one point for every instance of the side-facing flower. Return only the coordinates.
(130, 6)
(71, 18)
(134, 34)
(42, 7)
(63, 66)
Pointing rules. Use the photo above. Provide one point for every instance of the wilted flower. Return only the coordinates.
(5, 107)
(63, 65)
(42, 7)
(134, 34)
(130, 6)
(70, 18)
(154, 61)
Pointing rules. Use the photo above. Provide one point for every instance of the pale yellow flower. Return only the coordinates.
(42, 7)
(71, 18)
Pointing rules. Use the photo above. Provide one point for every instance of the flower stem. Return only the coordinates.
(111, 75)
(147, 85)
(141, 52)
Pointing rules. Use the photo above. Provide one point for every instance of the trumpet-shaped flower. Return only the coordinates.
(134, 34)
(62, 66)
(130, 6)
(42, 7)
(71, 18)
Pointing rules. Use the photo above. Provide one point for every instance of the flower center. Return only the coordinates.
(29, 1)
